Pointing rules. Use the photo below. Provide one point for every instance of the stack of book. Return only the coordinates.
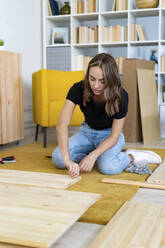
(81, 62)
(85, 6)
(119, 62)
(163, 63)
(138, 32)
(116, 33)
(84, 34)
(120, 5)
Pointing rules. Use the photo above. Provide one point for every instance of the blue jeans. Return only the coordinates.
(112, 161)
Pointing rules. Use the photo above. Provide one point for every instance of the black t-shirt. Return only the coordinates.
(94, 113)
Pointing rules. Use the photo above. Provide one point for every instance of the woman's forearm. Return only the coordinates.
(104, 146)
(62, 138)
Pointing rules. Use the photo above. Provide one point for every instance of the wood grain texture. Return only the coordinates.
(37, 217)
(136, 225)
(37, 179)
(11, 102)
(134, 183)
(148, 105)
(158, 176)
(3, 245)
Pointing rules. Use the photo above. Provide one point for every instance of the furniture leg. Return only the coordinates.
(36, 135)
(45, 136)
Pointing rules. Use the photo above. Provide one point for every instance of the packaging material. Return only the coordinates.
(132, 127)
(148, 105)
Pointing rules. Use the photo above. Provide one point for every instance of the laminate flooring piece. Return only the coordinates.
(37, 179)
(158, 176)
(134, 183)
(38, 217)
(148, 105)
(80, 235)
(136, 225)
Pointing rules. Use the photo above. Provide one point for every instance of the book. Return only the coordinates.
(114, 5)
(60, 35)
(162, 63)
(133, 32)
(54, 7)
(49, 8)
(140, 32)
(163, 4)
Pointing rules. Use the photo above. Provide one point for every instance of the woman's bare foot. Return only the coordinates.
(131, 157)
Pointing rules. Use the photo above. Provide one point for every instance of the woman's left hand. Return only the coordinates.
(87, 163)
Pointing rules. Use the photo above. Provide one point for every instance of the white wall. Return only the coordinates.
(20, 26)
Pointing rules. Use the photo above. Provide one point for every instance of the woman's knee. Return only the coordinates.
(111, 168)
(57, 159)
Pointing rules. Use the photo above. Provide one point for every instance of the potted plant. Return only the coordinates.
(2, 44)
(163, 91)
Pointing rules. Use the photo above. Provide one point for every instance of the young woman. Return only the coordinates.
(100, 139)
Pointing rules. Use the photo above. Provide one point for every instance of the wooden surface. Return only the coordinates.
(11, 103)
(148, 105)
(134, 183)
(3, 245)
(37, 179)
(37, 217)
(158, 176)
(136, 225)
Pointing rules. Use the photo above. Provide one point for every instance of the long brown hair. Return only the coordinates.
(111, 79)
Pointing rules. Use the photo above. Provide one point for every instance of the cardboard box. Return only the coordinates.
(132, 127)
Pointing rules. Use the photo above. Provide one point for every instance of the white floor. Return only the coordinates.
(81, 234)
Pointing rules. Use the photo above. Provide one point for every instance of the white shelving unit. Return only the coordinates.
(153, 20)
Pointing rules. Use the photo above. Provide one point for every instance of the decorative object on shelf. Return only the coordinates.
(2, 44)
(60, 35)
(65, 10)
(53, 7)
(145, 4)
(153, 56)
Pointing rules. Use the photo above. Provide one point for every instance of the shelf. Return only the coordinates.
(59, 45)
(115, 44)
(145, 12)
(86, 16)
(144, 43)
(162, 42)
(115, 14)
(151, 20)
(85, 45)
(59, 18)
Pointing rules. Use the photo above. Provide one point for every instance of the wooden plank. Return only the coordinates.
(37, 217)
(158, 176)
(134, 183)
(11, 97)
(3, 245)
(37, 179)
(148, 105)
(136, 225)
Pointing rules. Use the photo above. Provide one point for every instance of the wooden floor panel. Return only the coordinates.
(37, 217)
(37, 179)
(136, 225)
(158, 176)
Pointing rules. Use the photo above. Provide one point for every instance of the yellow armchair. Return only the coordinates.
(49, 90)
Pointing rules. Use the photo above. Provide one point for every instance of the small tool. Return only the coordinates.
(9, 159)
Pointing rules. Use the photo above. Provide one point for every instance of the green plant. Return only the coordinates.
(2, 42)
(163, 87)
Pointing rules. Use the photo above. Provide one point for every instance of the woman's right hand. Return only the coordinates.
(73, 168)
